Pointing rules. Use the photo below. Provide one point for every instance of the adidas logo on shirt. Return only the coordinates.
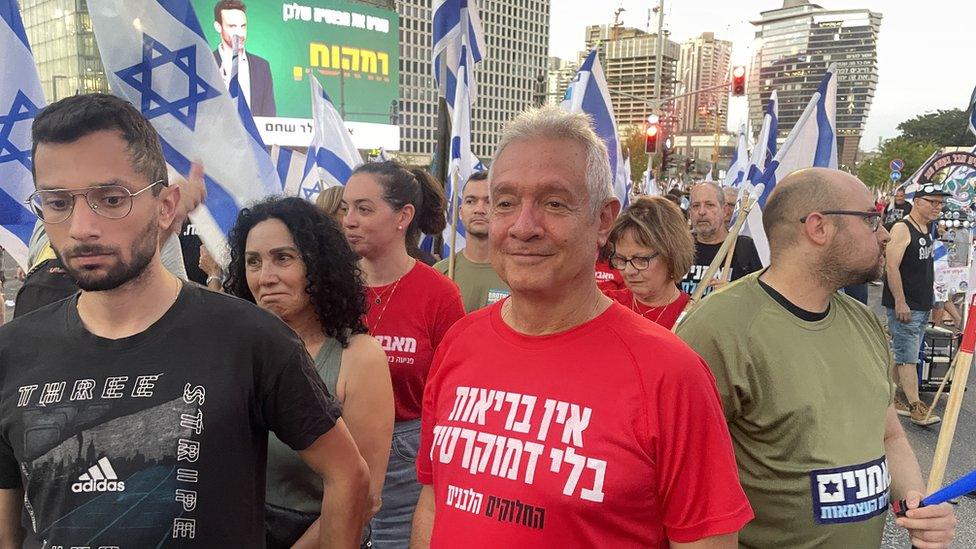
(100, 477)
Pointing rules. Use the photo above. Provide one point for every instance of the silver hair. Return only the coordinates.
(719, 193)
(552, 122)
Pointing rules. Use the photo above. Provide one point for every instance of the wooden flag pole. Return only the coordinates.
(727, 269)
(963, 363)
(747, 203)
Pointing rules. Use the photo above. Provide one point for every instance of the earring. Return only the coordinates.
(399, 227)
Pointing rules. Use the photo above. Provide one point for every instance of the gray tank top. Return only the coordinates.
(290, 483)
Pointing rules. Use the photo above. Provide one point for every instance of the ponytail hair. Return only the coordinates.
(414, 186)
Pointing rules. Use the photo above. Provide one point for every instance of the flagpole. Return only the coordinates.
(747, 204)
(964, 361)
(452, 258)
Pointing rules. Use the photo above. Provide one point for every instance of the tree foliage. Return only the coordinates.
(945, 128)
(633, 143)
(875, 172)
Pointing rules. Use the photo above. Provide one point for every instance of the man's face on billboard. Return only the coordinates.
(232, 23)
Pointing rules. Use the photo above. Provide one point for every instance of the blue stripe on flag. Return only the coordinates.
(330, 162)
(222, 206)
(183, 12)
(16, 218)
(11, 16)
(825, 134)
(595, 105)
(284, 163)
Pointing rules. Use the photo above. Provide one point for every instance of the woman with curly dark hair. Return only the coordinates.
(291, 258)
(411, 306)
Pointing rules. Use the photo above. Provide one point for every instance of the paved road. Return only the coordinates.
(962, 459)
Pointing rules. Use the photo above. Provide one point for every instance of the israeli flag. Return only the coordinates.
(456, 22)
(740, 161)
(588, 93)
(21, 98)
(156, 57)
(332, 156)
(463, 160)
(765, 148)
(812, 143)
(243, 110)
(762, 154)
(290, 165)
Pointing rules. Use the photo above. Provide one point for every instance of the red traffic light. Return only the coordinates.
(650, 138)
(738, 81)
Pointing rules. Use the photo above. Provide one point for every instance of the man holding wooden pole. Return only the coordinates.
(707, 216)
(803, 372)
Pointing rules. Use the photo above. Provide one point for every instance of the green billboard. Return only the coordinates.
(352, 48)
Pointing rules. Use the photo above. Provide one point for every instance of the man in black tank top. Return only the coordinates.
(908, 294)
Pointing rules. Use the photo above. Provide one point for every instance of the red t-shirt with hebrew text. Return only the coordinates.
(409, 322)
(610, 434)
(608, 278)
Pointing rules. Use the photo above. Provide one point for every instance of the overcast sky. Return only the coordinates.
(925, 49)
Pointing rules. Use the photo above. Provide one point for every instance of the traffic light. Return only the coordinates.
(668, 159)
(738, 81)
(650, 138)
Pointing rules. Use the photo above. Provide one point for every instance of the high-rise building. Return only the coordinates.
(629, 58)
(798, 42)
(559, 74)
(510, 79)
(61, 37)
(704, 63)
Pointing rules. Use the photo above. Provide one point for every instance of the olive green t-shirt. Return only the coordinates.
(805, 403)
(480, 285)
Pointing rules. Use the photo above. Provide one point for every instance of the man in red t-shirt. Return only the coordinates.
(545, 424)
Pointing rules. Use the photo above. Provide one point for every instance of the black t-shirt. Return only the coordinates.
(190, 244)
(158, 439)
(894, 212)
(745, 260)
(917, 270)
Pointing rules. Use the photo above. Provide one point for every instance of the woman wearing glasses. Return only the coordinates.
(652, 247)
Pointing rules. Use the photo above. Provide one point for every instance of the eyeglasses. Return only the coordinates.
(638, 262)
(936, 203)
(110, 201)
(873, 219)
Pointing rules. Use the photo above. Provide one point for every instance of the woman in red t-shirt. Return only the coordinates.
(607, 278)
(410, 307)
(653, 249)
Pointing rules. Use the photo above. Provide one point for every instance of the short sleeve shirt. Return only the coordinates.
(409, 322)
(576, 439)
(155, 439)
(806, 403)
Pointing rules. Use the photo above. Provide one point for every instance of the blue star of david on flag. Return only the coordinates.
(312, 192)
(22, 110)
(140, 76)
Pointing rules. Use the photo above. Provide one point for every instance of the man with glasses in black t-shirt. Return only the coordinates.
(136, 413)
(908, 295)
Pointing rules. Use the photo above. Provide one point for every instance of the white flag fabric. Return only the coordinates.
(588, 93)
(21, 98)
(156, 57)
(813, 140)
(740, 161)
(332, 156)
(811, 143)
(290, 165)
(762, 154)
(456, 23)
(462, 161)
